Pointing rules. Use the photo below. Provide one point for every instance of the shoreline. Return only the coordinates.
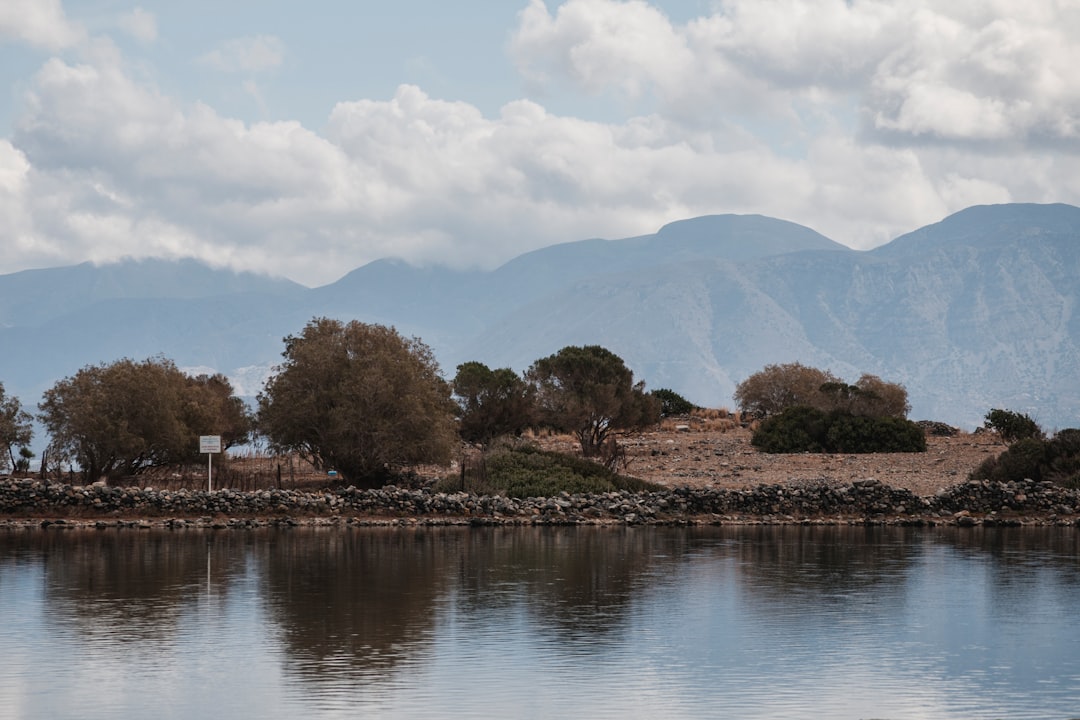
(26, 504)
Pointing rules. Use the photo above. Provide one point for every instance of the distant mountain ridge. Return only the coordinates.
(973, 312)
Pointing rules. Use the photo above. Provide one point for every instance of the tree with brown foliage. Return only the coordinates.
(778, 387)
(359, 399)
(123, 418)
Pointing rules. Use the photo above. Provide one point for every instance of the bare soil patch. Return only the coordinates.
(725, 459)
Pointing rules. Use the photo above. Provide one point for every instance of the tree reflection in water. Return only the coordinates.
(349, 614)
(132, 586)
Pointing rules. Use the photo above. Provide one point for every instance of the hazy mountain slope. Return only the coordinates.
(730, 237)
(223, 334)
(977, 311)
(438, 304)
(35, 296)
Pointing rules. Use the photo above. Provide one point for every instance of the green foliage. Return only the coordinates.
(1063, 459)
(797, 429)
(806, 429)
(15, 430)
(590, 391)
(526, 471)
(1012, 426)
(359, 399)
(672, 403)
(1035, 458)
(491, 403)
(123, 418)
(23, 463)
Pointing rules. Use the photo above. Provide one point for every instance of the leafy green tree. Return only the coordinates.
(16, 430)
(672, 403)
(589, 391)
(123, 418)
(1012, 426)
(491, 403)
(359, 399)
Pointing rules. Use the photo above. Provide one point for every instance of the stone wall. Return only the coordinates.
(970, 503)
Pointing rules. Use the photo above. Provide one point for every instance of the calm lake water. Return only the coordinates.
(541, 623)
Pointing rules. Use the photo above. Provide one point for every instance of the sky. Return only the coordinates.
(304, 140)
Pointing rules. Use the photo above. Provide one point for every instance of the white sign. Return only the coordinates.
(209, 443)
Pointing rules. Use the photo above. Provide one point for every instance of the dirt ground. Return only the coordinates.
(724, 458)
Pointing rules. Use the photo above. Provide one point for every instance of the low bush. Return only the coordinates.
(807, 429)
(1055, 460)
(527, 471)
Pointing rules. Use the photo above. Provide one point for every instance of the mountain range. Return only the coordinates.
(974, 312)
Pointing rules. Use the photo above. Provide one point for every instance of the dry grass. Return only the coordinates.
(725, 458)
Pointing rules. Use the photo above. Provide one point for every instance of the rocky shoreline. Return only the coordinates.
(33, 503)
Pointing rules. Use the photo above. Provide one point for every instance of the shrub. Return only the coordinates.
(527, 471)
(1033, 458)
(1063, 459)
(806, 429)
(1012, 426)
(797, 429)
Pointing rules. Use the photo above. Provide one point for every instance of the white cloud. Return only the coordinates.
(755, 108)
(41, 23)
(973, 70)
(246, 55)
(140, 24)
(15, 221)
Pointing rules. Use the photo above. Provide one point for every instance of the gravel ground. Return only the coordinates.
(725, 459)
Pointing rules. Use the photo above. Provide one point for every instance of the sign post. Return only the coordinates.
(209, 444)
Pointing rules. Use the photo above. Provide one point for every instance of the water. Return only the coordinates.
(541, 623)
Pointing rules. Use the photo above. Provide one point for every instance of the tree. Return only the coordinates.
(778, 387)
(870, 396)
(491, 403)
(672, 403)
(15, 429)
(211, 408)
(1012, 426)
(360, 399)
(879, 398)
(589, 391)
(121, 419)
